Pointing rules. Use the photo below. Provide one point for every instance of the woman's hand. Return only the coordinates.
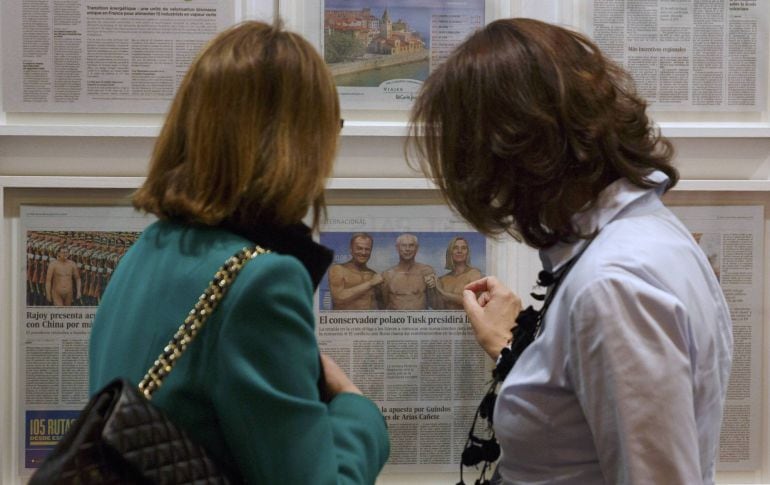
(335, 379)
(492, 313)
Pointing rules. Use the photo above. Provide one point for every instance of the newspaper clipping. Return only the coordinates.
(102, 56)
(380, 51)
(390, 314)
(732, 239)
(689, 55)
(70, 255)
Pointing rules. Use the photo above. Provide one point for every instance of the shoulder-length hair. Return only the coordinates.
(250, 136)
(523, 117)
(449, 260)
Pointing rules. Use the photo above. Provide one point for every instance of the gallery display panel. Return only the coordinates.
(389, 350)
(406, 341)
(702, 65)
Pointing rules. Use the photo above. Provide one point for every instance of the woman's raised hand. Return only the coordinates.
(492, 309)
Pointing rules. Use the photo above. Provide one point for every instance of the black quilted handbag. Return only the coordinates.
(121, 438)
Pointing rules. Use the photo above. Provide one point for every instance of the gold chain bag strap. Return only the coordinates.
(195, 320)
(122, 438)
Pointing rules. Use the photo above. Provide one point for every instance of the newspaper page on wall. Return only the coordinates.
(380, 51)
(688, 55)
(70, 255)
(732, 239)
(102, 56)
(390, 314)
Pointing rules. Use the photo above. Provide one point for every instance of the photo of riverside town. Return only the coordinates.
(372, 42)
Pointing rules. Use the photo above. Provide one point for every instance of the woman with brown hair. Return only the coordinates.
(528, 129)
(243, 155)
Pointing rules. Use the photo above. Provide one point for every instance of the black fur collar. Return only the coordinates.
(294, 240)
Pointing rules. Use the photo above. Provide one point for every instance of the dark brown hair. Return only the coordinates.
(523, 126)
(250, 136)
(361, 235)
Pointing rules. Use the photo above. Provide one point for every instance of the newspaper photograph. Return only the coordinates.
(390, 314)
(70, 255)
(102, 56)
(380, 51)
(732, 239)
(688, 56)
(72, 268)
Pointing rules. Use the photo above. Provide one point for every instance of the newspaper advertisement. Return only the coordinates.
(70, 255)
(732, 239)
(688, 55)
(390, 314)
(102, 56)
(380, 51)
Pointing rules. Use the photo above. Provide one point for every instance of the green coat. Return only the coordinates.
(246, 388)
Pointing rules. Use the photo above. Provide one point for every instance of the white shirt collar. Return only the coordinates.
(611, 201)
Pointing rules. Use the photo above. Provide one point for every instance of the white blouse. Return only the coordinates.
(627, 381)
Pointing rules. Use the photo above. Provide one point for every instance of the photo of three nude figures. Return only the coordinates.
(400, 270)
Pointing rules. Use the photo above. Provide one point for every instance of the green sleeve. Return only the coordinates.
(265, 387)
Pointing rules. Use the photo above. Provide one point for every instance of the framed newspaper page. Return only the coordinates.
(106, 73)
(380, 51)
(48, 301)
(389, 312)
(702, 66)
(70, 254)
(732, 230)
(95, 56)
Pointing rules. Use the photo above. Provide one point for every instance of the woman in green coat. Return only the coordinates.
(243, 155)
